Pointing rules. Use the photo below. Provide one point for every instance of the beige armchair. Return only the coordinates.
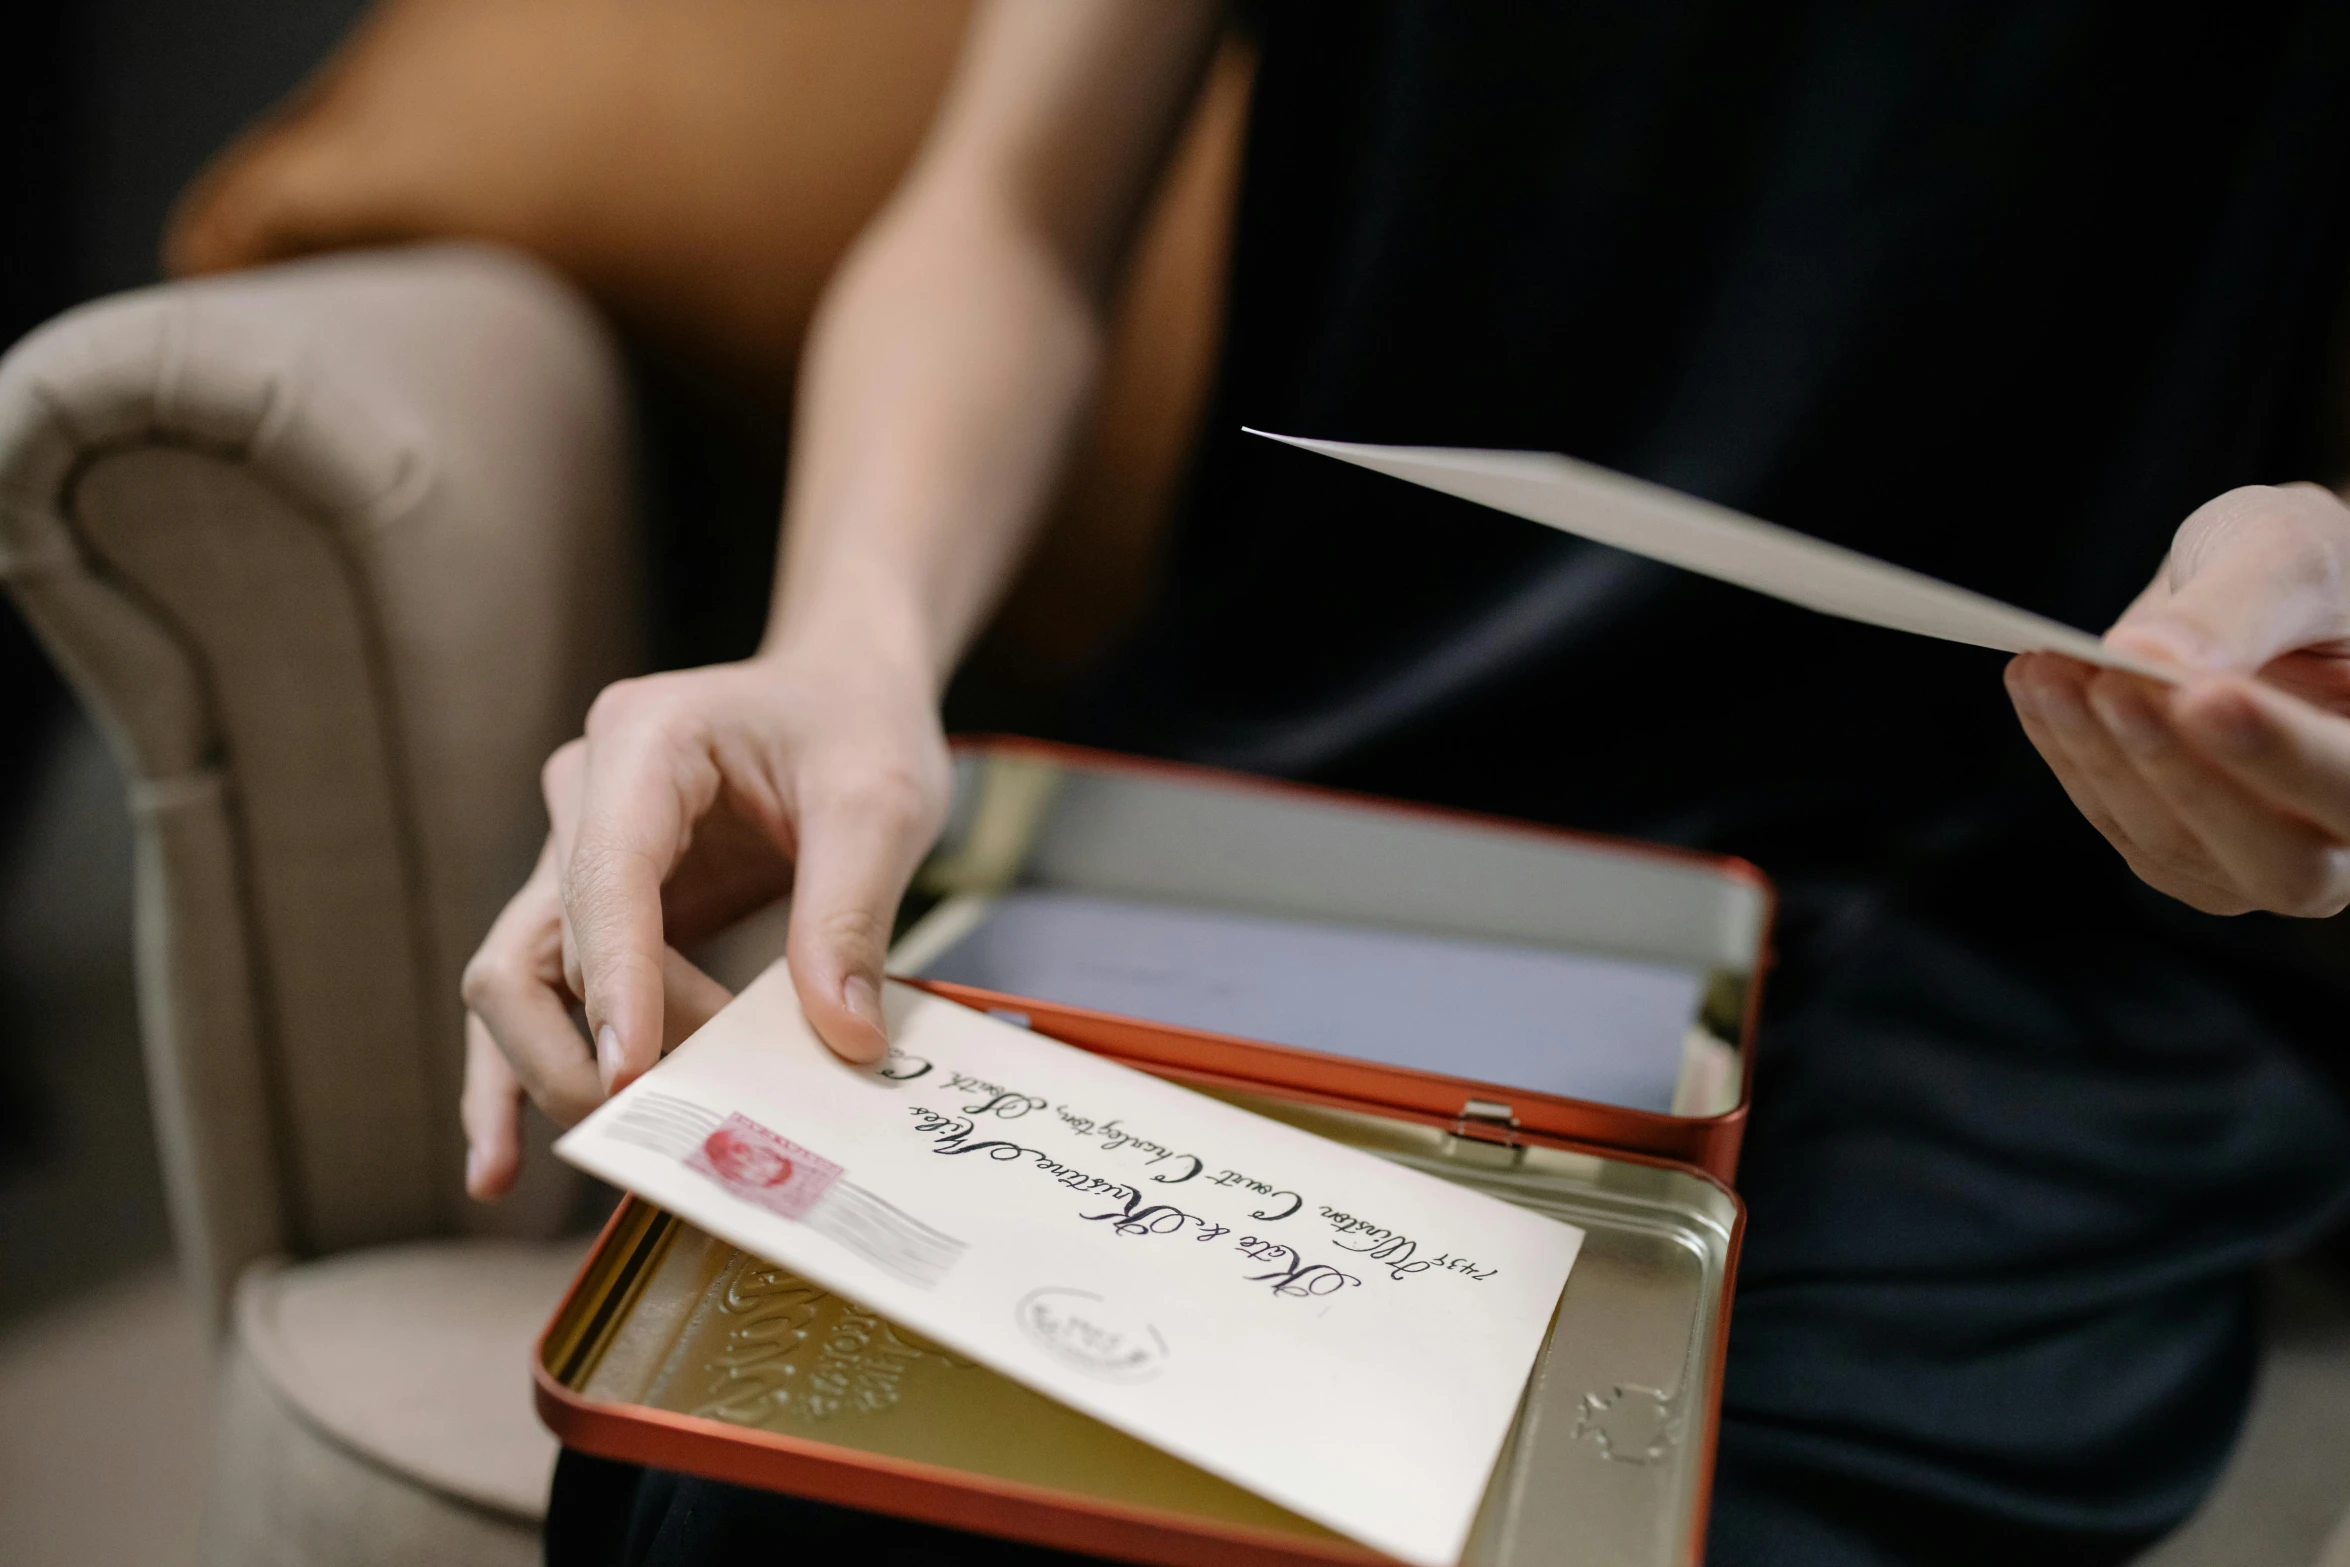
(335, 553)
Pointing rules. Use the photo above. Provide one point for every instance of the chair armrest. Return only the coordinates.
(335, 553)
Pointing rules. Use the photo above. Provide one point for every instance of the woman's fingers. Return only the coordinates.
(2286, 750)
(2254, 573)
(520, 1039)
(698, 795)
(560, 782)
(2223, 793)
(528, 1019)
(691, 797)
(514, 988)
(491, 1105)
(518, 1036)
(2274, 857)
(490, 1109)
(859, 844)
(2293, 757)
(2052, 698)
(649, 778)
(2032, 680)
(2227, 793)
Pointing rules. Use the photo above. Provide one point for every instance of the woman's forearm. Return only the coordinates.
(946, 370)
(953, 354)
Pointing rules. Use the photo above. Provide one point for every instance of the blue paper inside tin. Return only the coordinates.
(1577, 1024)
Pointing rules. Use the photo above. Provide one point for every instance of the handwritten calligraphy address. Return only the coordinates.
(1132, 1213)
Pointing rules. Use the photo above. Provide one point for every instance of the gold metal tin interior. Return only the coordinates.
(1603, 1465)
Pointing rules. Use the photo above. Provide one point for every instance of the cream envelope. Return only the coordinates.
(1631, 514)
(1342, 1335)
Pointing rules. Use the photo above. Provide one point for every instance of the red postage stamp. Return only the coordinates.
(760, 1167)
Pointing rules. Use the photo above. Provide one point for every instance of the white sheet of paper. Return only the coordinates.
(1342, 1335)
(1647, 519)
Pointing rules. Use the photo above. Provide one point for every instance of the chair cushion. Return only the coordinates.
(417, 1358)
(285, 1494)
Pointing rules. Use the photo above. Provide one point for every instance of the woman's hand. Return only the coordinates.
(693, 799)
(2230, 790)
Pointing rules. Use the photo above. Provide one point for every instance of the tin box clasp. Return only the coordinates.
(1487, 1121)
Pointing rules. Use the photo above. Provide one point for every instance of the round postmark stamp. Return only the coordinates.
(1088, 1334)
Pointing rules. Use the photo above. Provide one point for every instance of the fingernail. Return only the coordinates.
(858, 995)
(472, 1167)
(608, 1052)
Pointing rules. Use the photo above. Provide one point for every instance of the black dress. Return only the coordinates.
(1997, 291)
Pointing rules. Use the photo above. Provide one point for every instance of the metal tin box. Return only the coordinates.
(675, 1350)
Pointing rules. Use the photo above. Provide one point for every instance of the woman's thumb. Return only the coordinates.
(2253, 574)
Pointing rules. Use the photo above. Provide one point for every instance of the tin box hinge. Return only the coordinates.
(1487, 1120)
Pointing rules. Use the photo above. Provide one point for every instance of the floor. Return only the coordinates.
(108, 1385)
(81, 1202)
(103, 1374)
